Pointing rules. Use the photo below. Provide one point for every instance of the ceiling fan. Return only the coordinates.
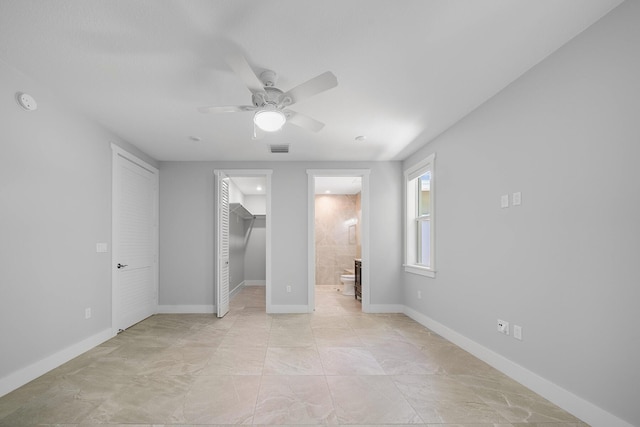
(269, 103)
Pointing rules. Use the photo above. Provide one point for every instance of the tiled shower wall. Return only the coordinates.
(337, 243)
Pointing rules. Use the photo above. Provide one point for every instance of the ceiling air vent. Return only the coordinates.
(279, 148)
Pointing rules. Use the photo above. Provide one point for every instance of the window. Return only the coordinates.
(419, 221)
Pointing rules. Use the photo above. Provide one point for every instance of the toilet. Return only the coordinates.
(348, 280)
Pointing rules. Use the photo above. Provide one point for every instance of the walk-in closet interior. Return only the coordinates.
(247, 232)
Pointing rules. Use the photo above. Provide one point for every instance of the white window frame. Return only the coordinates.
(412, 239)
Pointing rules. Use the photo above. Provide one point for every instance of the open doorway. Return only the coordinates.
(338, 236)
(243, 249)
(247, 232)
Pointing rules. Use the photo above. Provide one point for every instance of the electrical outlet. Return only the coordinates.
(419, 294)
(87, 313)
(503, 327)
(517, 332)
(289, 288)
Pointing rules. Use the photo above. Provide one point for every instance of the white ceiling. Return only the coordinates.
(250, 185)
(407, 70)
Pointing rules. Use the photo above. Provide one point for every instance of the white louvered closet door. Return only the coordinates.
(134, 243)
(222, 277)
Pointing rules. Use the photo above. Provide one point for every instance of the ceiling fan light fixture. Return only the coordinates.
(270, 119)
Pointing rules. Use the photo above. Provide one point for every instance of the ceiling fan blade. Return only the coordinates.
(324, 81)
(303, 121)
(227, 109)
(241, 67)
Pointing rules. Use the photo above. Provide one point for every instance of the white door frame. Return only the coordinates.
(117, 151)
(267, 174)
(364, 229)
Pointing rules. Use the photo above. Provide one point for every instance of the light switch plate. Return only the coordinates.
(516, 199)
(101, 247)
(504, 201)
(517, 332)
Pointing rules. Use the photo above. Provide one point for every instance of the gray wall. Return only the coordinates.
(186, 229)
(55, 205)
(255, 255)
(186, 234)
(236, 250)
(564, 264)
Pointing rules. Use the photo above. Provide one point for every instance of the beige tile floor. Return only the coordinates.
(337, 366)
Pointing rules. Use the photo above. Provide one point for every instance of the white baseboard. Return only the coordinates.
(586, 411)
(187, 309)
(385, 308)
(288, 309)
(42, 366)
(237, 289)
(255, 283)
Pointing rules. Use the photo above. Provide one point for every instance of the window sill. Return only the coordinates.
(422, 271)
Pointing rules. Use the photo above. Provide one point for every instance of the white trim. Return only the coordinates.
(187, 309)
(267, 173)
(419, 168)
(365, 203)
(116, 151)
(289, 309)
(33, 371)
(311, 239)
(237, 289)
(411, 173)
(255, 283)
(416, 269)
(579, 407)
(364, 231)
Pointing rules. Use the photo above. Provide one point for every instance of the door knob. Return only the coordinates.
(121, 265)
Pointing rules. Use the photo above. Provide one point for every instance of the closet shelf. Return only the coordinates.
(240, 210)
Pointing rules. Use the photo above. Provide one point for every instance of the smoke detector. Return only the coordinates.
(26, 101)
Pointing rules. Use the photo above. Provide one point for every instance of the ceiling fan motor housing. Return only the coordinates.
(270, 96)
(268, 78)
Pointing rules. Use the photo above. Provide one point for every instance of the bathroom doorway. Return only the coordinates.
(338, 236)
